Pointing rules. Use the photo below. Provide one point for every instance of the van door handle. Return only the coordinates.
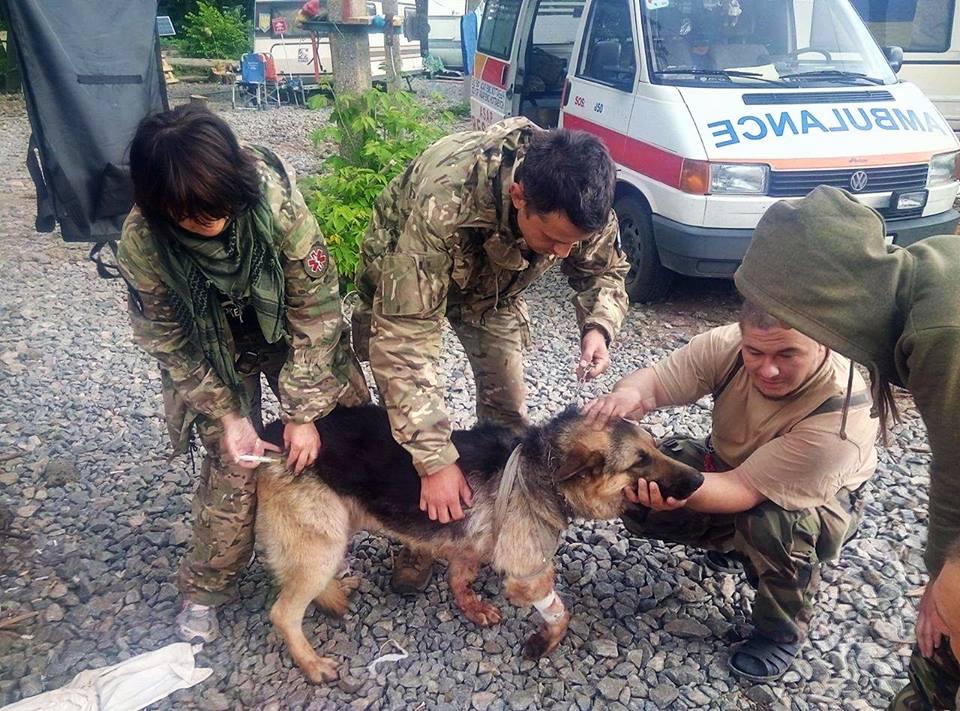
(509, 92)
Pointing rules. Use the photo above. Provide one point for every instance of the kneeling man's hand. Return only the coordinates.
(619, 403)
(441, 494)
(648, 494)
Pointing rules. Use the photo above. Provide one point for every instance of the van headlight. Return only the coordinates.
(944, 168)
(738, 178)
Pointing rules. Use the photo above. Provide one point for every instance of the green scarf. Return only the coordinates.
(243, 265)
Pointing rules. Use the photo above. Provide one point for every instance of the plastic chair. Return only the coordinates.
(257, 86)
(251, 86)
(271, 83)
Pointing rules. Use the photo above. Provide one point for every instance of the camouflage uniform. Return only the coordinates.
(309, 373)
(443, 243)
(782, 549)
(934, 683)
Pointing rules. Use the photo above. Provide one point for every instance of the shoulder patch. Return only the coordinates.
(316, 261)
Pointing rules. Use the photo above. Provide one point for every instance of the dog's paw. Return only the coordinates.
(349, 584)
(320, 671)
(536, 646)
(482, 613)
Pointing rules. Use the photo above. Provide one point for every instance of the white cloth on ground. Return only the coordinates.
(128, 686)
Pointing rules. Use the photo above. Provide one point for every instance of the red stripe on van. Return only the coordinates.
(645, 158)
(495, 72)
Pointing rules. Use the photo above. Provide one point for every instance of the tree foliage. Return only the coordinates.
(214, 33)
(378, 134)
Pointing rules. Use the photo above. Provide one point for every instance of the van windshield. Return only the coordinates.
(792, 43)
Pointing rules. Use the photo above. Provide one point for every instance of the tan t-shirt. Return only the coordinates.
(794, 460)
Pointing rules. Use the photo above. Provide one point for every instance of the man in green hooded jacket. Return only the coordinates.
(822, 266)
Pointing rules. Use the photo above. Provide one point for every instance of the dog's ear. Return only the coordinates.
(580, 460)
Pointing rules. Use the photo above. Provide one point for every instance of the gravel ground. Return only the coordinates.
(93, 521)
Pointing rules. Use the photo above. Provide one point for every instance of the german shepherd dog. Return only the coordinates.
(526, 489)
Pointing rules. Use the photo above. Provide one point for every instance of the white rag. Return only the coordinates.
(128, 686)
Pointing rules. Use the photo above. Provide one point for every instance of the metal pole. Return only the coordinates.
(391, 47)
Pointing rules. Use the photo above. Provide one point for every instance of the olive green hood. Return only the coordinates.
(821, 265)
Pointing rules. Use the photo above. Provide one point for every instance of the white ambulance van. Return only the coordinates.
(715, 109)
(929, 33)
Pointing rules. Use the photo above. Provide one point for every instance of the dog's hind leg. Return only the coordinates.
(461, 574)
(335, 597)
(538, 591)
(307, 578)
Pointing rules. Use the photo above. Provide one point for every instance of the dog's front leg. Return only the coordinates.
(462, 572)
(538, 591)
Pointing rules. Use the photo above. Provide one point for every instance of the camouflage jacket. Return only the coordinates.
(442, 235)
(309, 382)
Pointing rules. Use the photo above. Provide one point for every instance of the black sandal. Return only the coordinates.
(728, 563)
(762, 659)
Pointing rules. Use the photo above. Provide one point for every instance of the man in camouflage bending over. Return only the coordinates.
(460, 235)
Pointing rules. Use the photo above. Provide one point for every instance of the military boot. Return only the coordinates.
(197, 622)
(412, 571)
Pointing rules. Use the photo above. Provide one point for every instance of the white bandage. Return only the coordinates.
(551, 617)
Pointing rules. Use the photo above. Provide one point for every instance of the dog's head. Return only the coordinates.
(596, 464)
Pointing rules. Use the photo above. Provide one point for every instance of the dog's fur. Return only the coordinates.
(363, 480)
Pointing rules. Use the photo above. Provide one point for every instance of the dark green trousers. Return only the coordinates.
(783, 549)
(934, 683)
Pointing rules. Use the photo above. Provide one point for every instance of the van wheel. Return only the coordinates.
(648, 279)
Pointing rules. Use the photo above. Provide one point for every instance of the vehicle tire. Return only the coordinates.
(648, 279)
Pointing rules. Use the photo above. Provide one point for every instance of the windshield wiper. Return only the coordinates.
(725, 73)
(832, 74)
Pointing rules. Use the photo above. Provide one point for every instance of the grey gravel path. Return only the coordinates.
(93, 520)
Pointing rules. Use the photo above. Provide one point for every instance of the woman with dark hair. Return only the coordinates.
(229, 278)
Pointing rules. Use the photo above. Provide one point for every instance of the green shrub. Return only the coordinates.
(378, 134)
(215, 34)
(461, 110)
(432, 65)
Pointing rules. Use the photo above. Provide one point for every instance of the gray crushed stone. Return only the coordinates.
(93, 520)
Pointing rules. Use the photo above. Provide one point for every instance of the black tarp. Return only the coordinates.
(90, 72)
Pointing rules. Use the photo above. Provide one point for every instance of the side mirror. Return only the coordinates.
(894, 57)
(411, 27)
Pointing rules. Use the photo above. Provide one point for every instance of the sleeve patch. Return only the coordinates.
(316, 261)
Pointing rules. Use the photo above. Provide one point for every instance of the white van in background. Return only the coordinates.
(444, 40)
(293, 52)
(714, 110)
(929, 33)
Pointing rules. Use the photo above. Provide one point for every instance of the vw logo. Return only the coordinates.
(859, 180)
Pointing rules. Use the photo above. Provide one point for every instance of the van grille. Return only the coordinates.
(891, 215)
(817, 97)
(795, 183)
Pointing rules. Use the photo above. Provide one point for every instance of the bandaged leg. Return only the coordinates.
(538, 591)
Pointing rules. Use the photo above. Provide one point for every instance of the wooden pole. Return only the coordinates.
(349, 49)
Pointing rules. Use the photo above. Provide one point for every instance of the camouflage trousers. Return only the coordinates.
(782, 550)
(934, 683)
(494, 347)
(224, 504)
